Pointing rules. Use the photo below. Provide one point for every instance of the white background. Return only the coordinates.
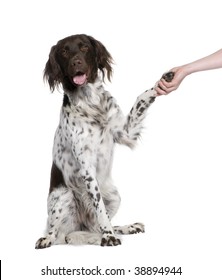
(171, 182)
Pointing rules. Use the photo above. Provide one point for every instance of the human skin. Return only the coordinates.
(210, 62)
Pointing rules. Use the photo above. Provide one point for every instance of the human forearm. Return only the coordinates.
(212, 61)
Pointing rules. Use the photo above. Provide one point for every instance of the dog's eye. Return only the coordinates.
(65, 52)
(84, 48)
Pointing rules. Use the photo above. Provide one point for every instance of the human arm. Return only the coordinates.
(212, 61)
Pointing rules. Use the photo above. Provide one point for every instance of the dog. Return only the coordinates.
(82, 199)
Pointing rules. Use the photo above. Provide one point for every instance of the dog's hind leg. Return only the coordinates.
(83, 237)
(111, 199)
(129, 229)
(61, 213)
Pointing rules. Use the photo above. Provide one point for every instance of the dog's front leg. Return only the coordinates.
(129, 128)
(87, 174)
(92, 187)
(133, 124)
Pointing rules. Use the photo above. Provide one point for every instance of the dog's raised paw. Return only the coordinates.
(168, 77)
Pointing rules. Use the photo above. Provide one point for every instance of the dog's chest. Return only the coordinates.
(91, 126)
(84, 138)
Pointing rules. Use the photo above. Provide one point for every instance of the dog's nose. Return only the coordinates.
(76, 61)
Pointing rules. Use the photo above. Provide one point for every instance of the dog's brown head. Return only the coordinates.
(75, 60)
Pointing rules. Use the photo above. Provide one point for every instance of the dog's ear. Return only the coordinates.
(104, 58)
(52, 71)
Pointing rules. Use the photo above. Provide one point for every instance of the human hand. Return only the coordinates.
(163, 87)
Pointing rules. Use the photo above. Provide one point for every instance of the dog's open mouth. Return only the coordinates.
(80, 78)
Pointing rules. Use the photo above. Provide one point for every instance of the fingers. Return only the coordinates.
(164, 88)
(160, 88)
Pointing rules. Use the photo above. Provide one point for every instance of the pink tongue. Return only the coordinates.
(79, 79)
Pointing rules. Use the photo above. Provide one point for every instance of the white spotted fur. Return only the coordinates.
(80, 211)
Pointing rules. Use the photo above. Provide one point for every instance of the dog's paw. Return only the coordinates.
(110, 240)
(43, 242)
(136, 228)
(130, 229)
(168, 77)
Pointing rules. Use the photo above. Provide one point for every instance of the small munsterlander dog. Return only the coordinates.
(82, 199)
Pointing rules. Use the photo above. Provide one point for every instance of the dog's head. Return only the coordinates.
(74, 61)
